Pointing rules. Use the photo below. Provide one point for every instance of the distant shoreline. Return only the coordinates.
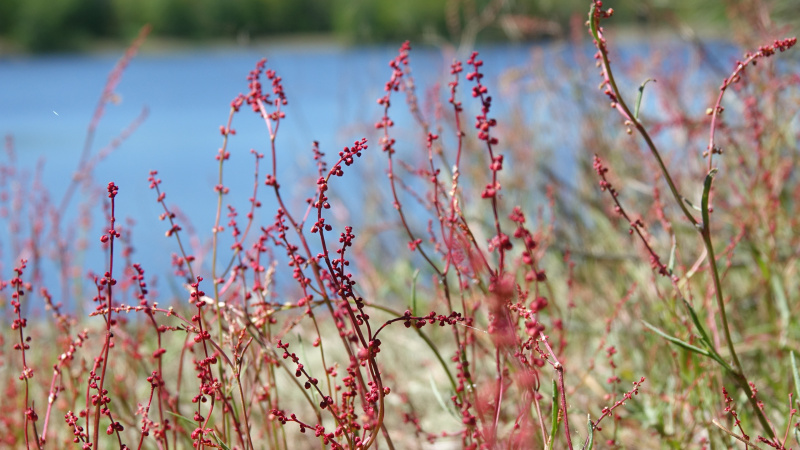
(166, 45)
(158, 44)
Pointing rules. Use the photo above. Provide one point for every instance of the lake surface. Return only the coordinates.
(46, 104)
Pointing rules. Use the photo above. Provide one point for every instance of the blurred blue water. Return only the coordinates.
(46, 104)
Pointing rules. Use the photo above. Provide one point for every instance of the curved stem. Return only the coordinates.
(703, 227)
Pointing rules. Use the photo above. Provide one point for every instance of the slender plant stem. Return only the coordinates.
(703, 228)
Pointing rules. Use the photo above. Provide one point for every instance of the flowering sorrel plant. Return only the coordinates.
(251, 355)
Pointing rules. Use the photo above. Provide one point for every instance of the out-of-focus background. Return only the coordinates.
(55, 57)
(81, 25)
(586, 274)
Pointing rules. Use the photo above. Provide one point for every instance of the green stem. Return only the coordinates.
(703, 227)
(738, 373)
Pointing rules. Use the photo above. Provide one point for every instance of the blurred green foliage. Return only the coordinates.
(56, 25)
(53, 25)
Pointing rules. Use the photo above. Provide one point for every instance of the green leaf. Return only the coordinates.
(697, 324)
(181, 417)
(691, 205)
(671, 263)
(678, 342)
(712, 352)
(591, 432)
(219, 442)
(593, 23)
(706, 191)
(639, 98)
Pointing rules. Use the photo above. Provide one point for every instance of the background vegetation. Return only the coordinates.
(656, 292)
(46, 25)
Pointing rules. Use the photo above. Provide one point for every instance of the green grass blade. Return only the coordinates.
(440, 399)
(188, 420)
(305, 357)
(796, 377)
(782, 301)
(554, 422)
(414, 293)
